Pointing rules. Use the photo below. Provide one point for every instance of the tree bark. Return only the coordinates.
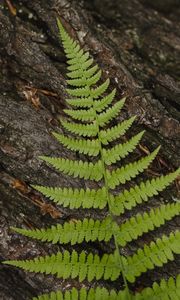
(136, 43)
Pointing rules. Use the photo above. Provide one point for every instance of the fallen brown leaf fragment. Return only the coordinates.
(20, 186)
(31, 95)
(45, 208)
(11, 7)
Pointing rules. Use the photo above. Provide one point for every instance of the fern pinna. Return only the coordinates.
(88, 134)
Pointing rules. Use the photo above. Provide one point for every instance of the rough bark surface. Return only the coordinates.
(137, 44)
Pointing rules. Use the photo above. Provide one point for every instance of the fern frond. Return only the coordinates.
(166, 290)
(83, 57)
(98, 110)
(70, 46)
(71, 265)
(105, 117)
(84, 294)
(76, 168)
(90, 147)
(100, 105)
(94, 79)
(81, 114)
(139, 193)
(75, 198)
(115, 132)
(96, 92)
(75, 52)
(91, 230)
(73, 232)
(91, 266)
(85, 81)
(79, 92)
(90, 72)
(77, 82)
(84, 66)
(122, 150)
(156, 254)
(89, 130)
(75, 55)
(83, 73)
(80, 102)
(142, 223)
(131, 170)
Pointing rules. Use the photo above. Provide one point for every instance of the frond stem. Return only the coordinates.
(109, 205)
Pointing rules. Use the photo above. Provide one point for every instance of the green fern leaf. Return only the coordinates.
(76, 168)
(89, 130)
(156, 254)
(94, 79)
(72, 265)
(170, 288)
(105, 117)
(75, 51)
(98, 111)
(138, 193)
(142, 223)
(115, 132)
(84, 66)
(90, 147)
(75, 198)
(83, 294)
(83, 115)
(91, 230)
(83, 73)
(85, 81)
(83, 57)
(91, 71)
(122, 150)
(77, 82)
(100, 105)
(80, 102)
(73, 232)
(95, 93)
(123, 174)
(63, 34)
(71, 48)
(79, 92)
